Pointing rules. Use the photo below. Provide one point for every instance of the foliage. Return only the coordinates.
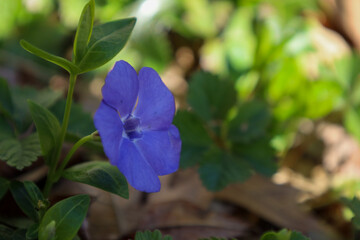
(148, 235)
(283, 235)
(20, 146)
(354, 205)
(101, 175)
(244, 106)
(63, 220)
(225, 137)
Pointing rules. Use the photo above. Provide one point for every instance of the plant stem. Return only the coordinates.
(50, 179)
(71, 152)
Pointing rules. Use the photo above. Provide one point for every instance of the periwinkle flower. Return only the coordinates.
(134, 121)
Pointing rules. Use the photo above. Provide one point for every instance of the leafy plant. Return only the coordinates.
(227, 138)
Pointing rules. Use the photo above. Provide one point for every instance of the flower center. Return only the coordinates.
(132, 128)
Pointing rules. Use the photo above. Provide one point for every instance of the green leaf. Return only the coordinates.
(106, 42)
(6, 105)
(251, 122)
(321, 97)
(99, 174)
(283, 235)
(194, 137)
(20, 96)
(7, 233)
(68, 216)
(20, 153)
(32, 232)
(84, 29)
(80, 122)
(352, 122)
(4, 186)
(48, 232)
(210, 97)
(62, 62)
(48, 128)
(218, 169)
(27, 196)
(258, 154)
(148, 235)
(354, 205)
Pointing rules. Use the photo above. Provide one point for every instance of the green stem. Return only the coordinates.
(71, 152)
(50, 179)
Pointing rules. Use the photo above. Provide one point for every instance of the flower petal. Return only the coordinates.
(121, 88)
(107, 121)
(161, 149)
(136, 169)
(156, 105)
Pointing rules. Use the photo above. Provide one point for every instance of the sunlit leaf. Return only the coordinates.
(354, 205)
(84, 30)
(106, 42)
(284, 235)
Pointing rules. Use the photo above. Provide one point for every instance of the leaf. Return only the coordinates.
(84, 29)
(321, 97)
(7, 233)
(4, 186)
(48, 232)
(32, 232)
(258, 154)
(68, 216)
(283, 235)
(20, 153)
(148, 235)
(6, 105)
(99, 174)
(251, 122)
(194, 137)
(48, 128)
(20, 96)
(62, 62)
(352, 122)
(27, 196)
(354, 205)
(210, 97)
(80, 123)
(106, 42)
(218, 169)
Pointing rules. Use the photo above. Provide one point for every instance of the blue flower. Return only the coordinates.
(134, 121)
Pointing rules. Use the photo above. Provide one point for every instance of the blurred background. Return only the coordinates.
(298, 56)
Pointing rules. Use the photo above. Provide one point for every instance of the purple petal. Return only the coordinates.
(156, 105)
(107, 122)
(136, 169)
(121, 88)
(161, 149)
